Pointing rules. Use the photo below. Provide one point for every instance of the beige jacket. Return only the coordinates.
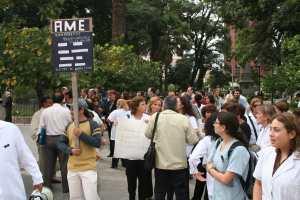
(173, 131)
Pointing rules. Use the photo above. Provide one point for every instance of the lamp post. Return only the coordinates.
(258, 66)
(259, 85)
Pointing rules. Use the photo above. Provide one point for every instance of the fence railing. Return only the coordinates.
(22, 112)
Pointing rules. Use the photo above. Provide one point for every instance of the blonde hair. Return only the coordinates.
(268, 110)
(122, 103)
(151, 102)
(255, 100)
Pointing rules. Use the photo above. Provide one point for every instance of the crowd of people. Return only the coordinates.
(233, 147)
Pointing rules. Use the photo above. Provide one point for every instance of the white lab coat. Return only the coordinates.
(202, 150)
(285, 183)
(14, 155)
(194, 124)
(251, 121)
(263, 139)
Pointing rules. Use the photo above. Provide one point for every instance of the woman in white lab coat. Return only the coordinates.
(198, 159)
(264, 115)
(278, 169)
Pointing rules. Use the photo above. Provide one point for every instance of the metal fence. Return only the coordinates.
(22, 112)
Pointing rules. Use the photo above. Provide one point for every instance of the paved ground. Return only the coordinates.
(113, 185)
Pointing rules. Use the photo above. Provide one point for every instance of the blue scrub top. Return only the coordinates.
(237, 163)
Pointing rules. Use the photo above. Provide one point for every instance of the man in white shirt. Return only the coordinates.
(14, 155)
(45, 102)
(242, 100)
(55, 119)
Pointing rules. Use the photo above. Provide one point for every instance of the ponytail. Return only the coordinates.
(231, 123)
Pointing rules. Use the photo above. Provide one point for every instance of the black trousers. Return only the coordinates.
(199, 189)
(51, 153)
(200, 186)
(135, 170)
(114, 161)
(170, 194)
(111, 142)
(171, 180)
(8, 114)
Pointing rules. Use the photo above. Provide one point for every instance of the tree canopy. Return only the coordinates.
(155, 32)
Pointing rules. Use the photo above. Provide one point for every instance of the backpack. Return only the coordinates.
(249, 183)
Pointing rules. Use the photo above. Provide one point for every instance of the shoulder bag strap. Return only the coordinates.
(254, 128)
(154, 128)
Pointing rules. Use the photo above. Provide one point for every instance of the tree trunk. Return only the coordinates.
(201, 76)
(118, 21)
(155, 56)
(40, 88)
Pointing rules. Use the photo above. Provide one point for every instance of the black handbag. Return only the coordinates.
(149, 156)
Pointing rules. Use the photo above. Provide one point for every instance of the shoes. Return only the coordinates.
(109, 155)
(114, 167)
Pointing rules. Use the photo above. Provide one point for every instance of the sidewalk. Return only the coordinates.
(112, 182)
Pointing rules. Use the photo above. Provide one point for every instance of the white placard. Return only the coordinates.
(131, 142)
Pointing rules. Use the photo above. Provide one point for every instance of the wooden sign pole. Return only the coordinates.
(75, 103)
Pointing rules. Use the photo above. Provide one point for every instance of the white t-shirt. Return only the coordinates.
(284, 184)
(114, 116)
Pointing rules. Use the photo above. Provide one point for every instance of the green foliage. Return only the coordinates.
(180, 74)
(120, 68)
(26, 59)
(268, 32)
(264, 26)
(205, 33)
(163, 28)
(218, 78)
(37, 13)
(286, 77)
(171, 88)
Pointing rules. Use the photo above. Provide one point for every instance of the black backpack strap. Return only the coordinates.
(233, 146)
(218, 142)
(252, 124)
(231, 149)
